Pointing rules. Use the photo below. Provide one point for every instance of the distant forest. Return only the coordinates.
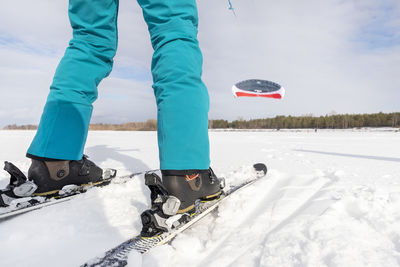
(333, 121)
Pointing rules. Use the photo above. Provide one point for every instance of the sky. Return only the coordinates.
(338, 56)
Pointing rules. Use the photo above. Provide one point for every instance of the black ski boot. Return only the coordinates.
(51, 176)
(188, 186)
(173, 200)
(48, 179)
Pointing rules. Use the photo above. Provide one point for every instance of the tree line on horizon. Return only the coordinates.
(333, 121)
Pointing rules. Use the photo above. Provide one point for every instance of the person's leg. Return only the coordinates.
(182, 98)
(88, 59)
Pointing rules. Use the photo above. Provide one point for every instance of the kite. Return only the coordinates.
(258, 88)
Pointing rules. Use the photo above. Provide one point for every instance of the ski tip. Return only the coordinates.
(260, 168)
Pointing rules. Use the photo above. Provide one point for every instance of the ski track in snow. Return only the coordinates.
(331, 198)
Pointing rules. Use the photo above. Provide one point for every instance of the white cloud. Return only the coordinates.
(324, 52)
(306, 46)
(124, 100)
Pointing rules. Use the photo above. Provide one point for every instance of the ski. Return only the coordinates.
(27, 204)
(118, 256)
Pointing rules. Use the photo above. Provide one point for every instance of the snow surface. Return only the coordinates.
(331, 198)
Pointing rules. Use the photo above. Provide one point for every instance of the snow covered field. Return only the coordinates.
(331, 198)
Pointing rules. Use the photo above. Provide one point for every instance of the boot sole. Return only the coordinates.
(212, 197)
(81, 188)
(191, 209)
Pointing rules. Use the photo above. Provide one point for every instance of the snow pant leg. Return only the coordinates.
(88, 59)
(182, 98)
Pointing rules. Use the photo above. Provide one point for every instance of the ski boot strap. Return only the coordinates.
(17, 177)
(19, 184)
(157, 189)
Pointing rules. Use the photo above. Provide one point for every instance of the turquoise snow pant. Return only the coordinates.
(182, 98)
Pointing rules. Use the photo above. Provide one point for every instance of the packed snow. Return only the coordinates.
(331, 198)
